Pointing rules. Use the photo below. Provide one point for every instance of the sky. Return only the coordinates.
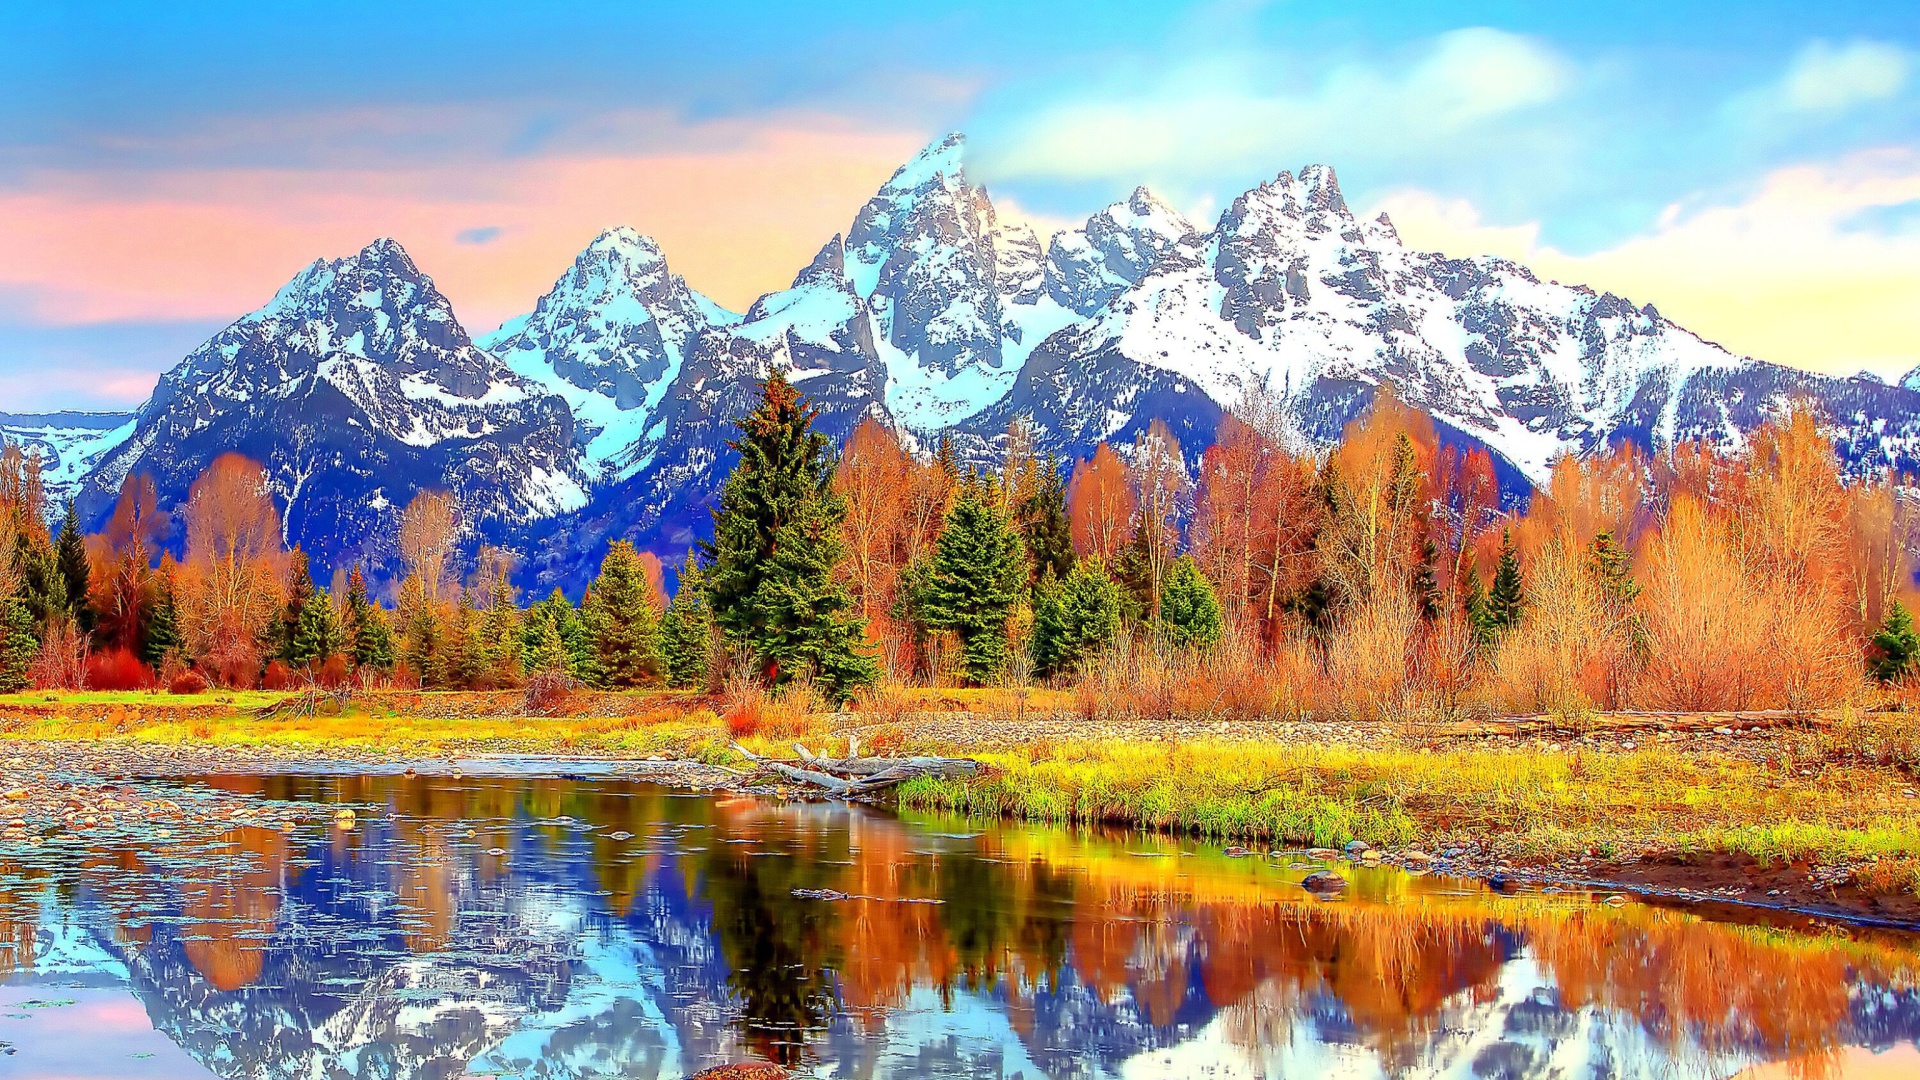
(1752, 169)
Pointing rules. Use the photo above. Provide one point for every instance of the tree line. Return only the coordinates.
(1384, 576)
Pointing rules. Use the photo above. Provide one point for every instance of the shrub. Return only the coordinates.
(549, 692)
(278, 676)
(118, 669)
(188, 682)
(334, 672)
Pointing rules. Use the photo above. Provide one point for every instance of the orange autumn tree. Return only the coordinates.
(876, 476)
(234, 577)
(1100, 505)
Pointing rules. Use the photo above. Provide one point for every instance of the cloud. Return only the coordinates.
(1826, 77)
(1811, 269)
(478, 235)
(1236, 109)
(737, 212)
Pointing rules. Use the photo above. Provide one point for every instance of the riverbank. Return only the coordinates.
(1810, 812)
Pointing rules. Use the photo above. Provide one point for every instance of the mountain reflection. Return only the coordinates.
(556, 928)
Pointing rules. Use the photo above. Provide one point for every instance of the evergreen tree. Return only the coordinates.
(319, 635)
(686, 632)
(1189, 610)
(1135, 576)
(1426, 580)
(42, 587)
(1508, 595)
(1473, 605)
(423, 633)
(502, 638)
(776, 540)
(541, 648)
(1896, 646)
(163, 624)
(70, 555)
(620, 617)
(974, 582)
(1075, 617)
(1045, 530)
(18, 644)
(805, 611)
(466, 649)
(300, 593)
(1611, 569)
(369, 638)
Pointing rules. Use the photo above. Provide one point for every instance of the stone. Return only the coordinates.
(1323, 881)
(1355, 847)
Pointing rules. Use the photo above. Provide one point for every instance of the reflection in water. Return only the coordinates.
(555, 928)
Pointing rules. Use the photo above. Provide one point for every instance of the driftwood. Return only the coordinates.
(859, 775)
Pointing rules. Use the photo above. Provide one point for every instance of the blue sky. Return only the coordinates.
(1624, 144)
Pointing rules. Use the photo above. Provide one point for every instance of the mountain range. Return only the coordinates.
(604, 412)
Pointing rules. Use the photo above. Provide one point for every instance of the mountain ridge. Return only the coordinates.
(604, 412)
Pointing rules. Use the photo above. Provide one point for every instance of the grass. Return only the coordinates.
(1826, 795)
(1523, 803)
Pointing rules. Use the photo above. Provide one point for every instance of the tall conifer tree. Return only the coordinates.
(776, 540)
(975, 581)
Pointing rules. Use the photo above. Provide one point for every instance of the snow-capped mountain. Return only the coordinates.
(610, 338)
(71, 442)
(1292, 294)
(605, 412)
(356, 388)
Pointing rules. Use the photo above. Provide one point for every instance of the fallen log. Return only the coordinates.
(861, 776)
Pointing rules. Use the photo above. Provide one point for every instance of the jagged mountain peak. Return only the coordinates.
(942, 160)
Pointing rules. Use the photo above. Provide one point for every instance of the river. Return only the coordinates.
(516, 926)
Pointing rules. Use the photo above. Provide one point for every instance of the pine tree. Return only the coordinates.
(163, 623)
(300, 592)
(319, 636)
(71, 557)
(1045, 530)
(805, 612)
(1508, 596)
(501, 635)
(1075, 617)
(974, 582)
(42, 587)
(1473, 605)
(620, 617)
(1189, 610)
(686, 632)
(423, 634)
(776, 541)
(1426, 580)
(18, 645)
(541, 648)
(1611, 570)
(1896, 646)
(369, 638)
(466, 649)
(1135, 576)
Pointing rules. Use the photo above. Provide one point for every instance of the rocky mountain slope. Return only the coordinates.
(70, 442)
(355, 387)
(605, 412)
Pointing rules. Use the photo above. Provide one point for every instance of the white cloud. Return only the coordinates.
(1232, 112)
(1788, 274)
(1825, 77)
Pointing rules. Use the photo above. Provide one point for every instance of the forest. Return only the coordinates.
(1383, 579)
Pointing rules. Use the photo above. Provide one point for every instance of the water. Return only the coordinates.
(512, 926)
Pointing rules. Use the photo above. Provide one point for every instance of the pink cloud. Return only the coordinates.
(736, 216)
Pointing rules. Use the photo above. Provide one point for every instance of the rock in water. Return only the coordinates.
(1323, 881)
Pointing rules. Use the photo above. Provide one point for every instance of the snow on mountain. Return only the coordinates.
(355, 387)
(70, 443)
(609, 338)
(1293, 295)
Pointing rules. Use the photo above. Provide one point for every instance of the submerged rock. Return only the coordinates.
(1323, 881)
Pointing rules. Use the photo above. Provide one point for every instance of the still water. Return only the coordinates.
(546, 928)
